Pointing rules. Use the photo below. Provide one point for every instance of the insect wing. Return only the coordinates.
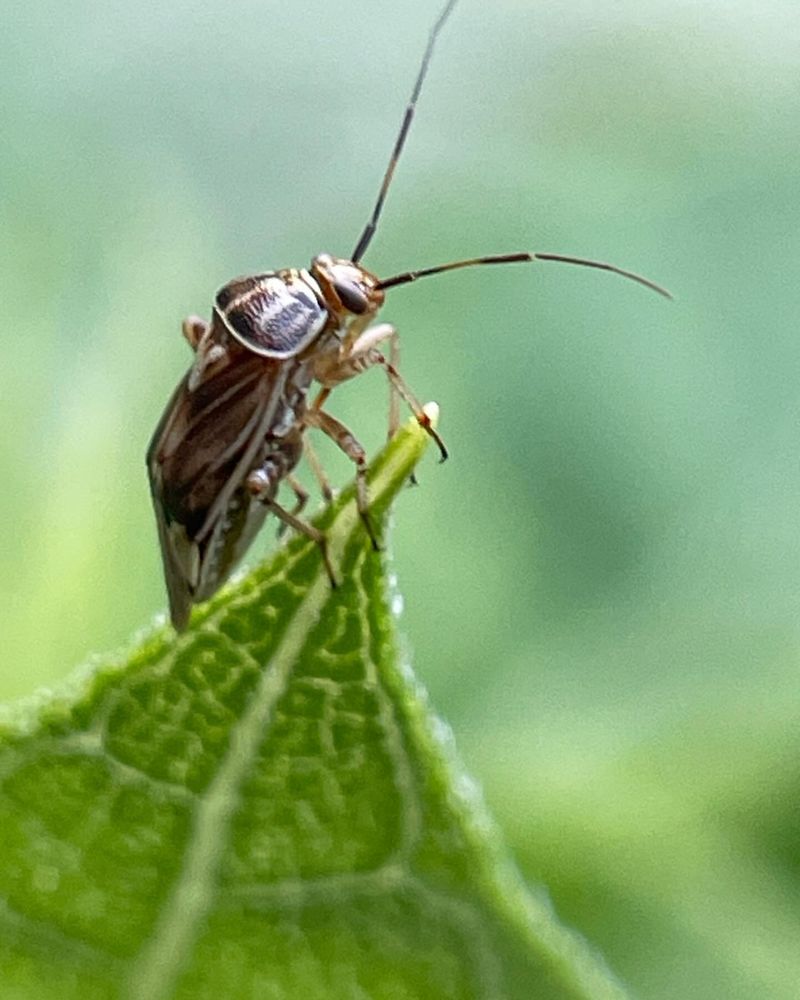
(209, 438)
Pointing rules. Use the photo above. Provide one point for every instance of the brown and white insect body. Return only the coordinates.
(235, 427)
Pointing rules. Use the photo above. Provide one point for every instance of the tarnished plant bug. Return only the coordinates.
(236, 425)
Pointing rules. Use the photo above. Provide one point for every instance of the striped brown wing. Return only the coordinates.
(209, 438)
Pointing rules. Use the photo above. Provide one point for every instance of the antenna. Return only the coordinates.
(512, 258)
(400, 141)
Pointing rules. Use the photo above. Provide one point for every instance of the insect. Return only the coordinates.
(236, 425)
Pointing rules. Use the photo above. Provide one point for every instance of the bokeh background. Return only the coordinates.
(602, 585)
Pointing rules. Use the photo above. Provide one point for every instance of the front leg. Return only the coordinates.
(364, 354)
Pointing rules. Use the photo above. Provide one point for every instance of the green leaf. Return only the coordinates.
(264, 807)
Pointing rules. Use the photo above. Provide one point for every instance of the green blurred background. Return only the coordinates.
(601, 586)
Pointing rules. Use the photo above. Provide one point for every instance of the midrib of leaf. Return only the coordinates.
(154, 973)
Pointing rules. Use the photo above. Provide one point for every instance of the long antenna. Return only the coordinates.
(512, 258)
(400, 141)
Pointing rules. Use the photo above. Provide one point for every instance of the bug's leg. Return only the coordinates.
(316, 467)
(301, 499)
(394, 395)
(369, 339)
(262, 485)
(194, 329)
(358, 360)
(309, 531)
(364, 354)
(331, 372)
(355, 452)
(300, 492)
(397, 381)
(206, 351)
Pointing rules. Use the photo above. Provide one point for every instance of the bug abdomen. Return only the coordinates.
(241, 520)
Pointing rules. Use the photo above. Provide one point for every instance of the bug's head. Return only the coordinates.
(347, 287)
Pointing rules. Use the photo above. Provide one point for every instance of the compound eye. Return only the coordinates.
(351, 297)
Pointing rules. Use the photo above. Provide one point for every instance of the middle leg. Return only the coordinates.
(354, 450)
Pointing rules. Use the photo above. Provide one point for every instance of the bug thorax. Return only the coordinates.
(277, 314)
(347, 288)
(281, 313)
